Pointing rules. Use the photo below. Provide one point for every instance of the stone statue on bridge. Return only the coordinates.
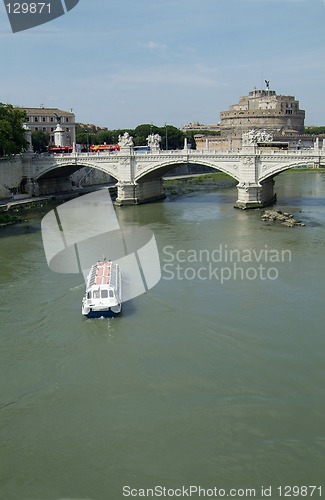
(125, 140)
(153, 141)
(254, 136)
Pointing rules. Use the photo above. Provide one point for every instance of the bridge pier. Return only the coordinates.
(129, 193)
(255, 195)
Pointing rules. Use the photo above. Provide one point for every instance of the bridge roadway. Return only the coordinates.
(139, 176)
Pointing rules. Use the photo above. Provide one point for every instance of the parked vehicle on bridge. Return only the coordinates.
(103, 290)
(111, 148)
(274, 145)
(141, 149)
(61, 149)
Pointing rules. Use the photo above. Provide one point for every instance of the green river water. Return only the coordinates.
(202, 383)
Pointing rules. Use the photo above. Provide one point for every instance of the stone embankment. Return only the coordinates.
(284, 217)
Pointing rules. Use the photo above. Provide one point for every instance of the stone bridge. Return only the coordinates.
(139, 175)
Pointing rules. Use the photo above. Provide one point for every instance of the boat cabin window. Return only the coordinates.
(111, 294)
(96, 294)
(104, 294)
(89, 295)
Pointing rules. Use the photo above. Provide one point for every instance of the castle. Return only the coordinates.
(279, 115)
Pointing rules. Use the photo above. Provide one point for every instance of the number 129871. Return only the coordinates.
(300, 491)
(28, 8)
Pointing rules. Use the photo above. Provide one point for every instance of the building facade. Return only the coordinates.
(46, 119)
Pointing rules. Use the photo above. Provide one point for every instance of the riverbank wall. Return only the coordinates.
(20, 207)
(11, 176)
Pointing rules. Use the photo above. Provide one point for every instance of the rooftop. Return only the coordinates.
(46, 111)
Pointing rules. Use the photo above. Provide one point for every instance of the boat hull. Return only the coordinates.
(107, 313)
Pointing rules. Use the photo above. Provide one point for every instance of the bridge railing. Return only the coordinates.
(111, 157)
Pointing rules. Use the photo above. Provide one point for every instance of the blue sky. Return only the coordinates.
(126, 62)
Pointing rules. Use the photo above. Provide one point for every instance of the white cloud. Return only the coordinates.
(153, 45)
(198, 75)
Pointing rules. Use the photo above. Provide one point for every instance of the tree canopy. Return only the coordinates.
(12, 134)
(315, 130)
(171, 136)
(40, 141)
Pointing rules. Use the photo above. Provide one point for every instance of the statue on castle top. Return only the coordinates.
(267, 83)
(58, 118)
(153, 141)
(125, 140)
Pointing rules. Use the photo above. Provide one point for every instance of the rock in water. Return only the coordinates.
(284, 217)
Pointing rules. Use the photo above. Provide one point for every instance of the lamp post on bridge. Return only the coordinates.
(87, 141)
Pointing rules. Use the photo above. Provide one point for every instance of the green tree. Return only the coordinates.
(171, 136)
(105, 136)
(85, 137)
(12, 134)
(191, 139)
(40, 141)
(174, 137)
(115, 134)
(141, 132)
(315, 130)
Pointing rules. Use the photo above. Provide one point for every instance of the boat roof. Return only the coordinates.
(100, 273)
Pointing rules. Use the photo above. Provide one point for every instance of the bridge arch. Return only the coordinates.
(67, 168)
(158, 170)
(278, 169)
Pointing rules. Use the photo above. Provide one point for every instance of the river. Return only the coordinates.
(214, 378)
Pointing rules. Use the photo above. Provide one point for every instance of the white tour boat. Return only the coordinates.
(103, 290)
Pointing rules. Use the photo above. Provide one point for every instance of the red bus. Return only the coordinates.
(61, 149)
(105, 147)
